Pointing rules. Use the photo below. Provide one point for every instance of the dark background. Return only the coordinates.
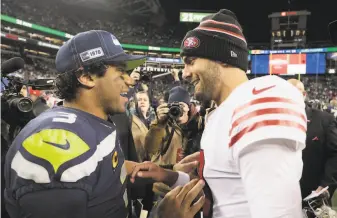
(253, 14)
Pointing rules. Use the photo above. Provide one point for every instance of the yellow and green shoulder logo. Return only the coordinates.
(57, 146)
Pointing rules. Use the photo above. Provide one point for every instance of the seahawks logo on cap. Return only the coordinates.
(191, 42)
(115, 41)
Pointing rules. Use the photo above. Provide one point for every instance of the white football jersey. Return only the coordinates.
(263, 116)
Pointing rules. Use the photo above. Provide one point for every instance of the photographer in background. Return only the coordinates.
(173, 135)
(140, 86)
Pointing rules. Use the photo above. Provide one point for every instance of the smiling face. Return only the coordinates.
(204, 75)
(111, 90)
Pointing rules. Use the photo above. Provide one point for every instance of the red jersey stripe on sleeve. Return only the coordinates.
(264, 123)
(264, 100)
(265, 111)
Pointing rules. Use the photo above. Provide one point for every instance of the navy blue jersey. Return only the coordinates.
(66, 148)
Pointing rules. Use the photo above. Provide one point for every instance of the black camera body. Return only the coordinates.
(14, 106)
(17, 110)
(175, 110)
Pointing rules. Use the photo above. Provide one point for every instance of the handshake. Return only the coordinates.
(178, 202)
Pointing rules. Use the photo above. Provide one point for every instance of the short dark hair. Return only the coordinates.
(67, 84)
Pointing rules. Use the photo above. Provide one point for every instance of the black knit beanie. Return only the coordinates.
(179, 94)
(218, 37)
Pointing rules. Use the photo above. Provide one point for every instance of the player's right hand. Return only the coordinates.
(148, 170)
(162, 113)
(178, 202)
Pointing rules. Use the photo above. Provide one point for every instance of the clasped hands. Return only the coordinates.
(183, 201)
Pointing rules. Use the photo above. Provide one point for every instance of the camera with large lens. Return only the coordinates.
(17, 110)
(16, 103)
(175, 110)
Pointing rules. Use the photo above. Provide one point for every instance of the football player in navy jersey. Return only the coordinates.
(68, 162)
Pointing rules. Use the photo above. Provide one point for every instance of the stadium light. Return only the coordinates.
(332, 71)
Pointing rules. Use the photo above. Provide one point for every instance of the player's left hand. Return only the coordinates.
(179, 202)
(188, 164)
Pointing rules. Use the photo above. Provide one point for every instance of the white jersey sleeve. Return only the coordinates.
(267, 135)
(270, 179)
(276, 116)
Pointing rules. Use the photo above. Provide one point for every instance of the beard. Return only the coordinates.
(114, 110)
(113, 107)
(203, 96)
(208, 84)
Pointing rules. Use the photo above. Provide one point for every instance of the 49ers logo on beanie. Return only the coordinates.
(218, 37)
(191, 42)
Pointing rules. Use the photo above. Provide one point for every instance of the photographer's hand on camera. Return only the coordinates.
(162, 114)
(135, 75)
(175, 74)
(144, 87)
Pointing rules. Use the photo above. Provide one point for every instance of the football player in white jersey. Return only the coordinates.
(251, 146)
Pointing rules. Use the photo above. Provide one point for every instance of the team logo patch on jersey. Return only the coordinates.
(191, 42)
(57, 146)
(91, 54)
(115, 160)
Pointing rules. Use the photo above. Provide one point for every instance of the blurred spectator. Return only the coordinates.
(142, 115)
(171, 138)
(142, 108)
(320, 154)
(333, 102)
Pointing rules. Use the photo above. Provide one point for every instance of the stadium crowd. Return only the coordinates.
(54, 15)
(321, 89)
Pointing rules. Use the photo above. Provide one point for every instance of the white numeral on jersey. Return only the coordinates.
(65, 118)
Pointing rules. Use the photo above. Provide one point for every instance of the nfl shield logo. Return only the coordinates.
(191, 42)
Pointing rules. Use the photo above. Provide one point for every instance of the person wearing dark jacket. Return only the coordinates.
(69, 162)
(320, 154)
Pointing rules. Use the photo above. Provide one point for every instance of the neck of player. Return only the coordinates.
(87, 106)
(229, 80)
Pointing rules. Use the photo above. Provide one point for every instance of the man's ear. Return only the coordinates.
(87, 80)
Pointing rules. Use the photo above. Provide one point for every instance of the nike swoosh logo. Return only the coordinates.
(65, 146)
(255, 91)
